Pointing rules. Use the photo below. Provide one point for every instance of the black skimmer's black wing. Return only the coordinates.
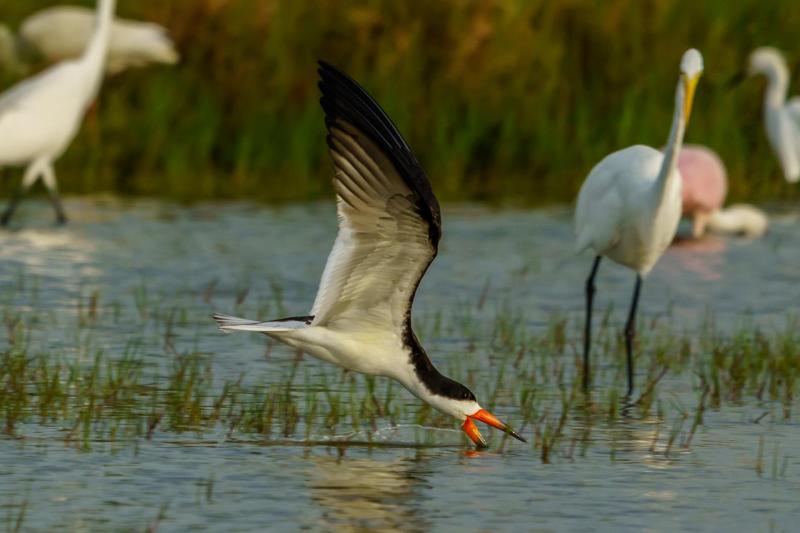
(389, 218)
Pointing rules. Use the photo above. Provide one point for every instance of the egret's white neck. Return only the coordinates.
(94, 57)
(667, 172)
(777, 85)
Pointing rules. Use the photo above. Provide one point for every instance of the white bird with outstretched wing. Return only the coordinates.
(389, 230)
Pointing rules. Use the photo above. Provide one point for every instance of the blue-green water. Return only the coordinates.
(200, 259)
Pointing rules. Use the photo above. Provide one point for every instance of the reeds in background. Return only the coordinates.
(503, 100)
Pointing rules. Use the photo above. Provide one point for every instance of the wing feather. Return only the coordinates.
(389, 218)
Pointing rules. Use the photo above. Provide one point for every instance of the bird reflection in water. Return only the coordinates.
(359, 494)
(703, 257)
(643, 438)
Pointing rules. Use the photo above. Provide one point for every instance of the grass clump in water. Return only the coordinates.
(93, 392)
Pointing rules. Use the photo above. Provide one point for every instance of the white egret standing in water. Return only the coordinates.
(63, 32)
(40, 116)
(630, 205)
(781, 118)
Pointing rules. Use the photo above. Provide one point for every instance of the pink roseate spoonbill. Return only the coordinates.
(781, 119)
(705, 186)
(63, 32)
(40, 116)
(389, 230)
(630, 205)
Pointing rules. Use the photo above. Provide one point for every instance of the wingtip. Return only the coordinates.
(325, 69)
(343, 99)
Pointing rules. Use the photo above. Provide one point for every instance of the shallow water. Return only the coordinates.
(200, 259)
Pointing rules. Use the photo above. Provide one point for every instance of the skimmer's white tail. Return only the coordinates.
(231, 323)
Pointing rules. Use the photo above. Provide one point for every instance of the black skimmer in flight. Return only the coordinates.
(389, 230)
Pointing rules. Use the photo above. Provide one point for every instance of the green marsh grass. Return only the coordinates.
(88, 396)
(504, 101)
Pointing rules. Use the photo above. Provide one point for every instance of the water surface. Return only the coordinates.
(152, 257)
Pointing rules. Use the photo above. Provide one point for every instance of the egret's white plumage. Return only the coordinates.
(389, 230)
(629, 206)
(40, 116)
(781, 118)
(63, 32)
(626, 211)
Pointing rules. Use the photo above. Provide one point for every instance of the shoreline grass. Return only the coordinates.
(531, 378)
(505, 102)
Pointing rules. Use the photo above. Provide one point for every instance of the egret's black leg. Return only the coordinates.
(30, 177)
(49, 177)
(630, 331)
(61, 216)
(587, 332)
(12, 206)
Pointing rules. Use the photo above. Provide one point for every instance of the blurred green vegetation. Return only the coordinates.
(503, 100)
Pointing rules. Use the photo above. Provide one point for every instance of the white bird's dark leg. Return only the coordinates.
(12, 206)
(30, 177)
(630, 331)
(49, 177)
(587, 332)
